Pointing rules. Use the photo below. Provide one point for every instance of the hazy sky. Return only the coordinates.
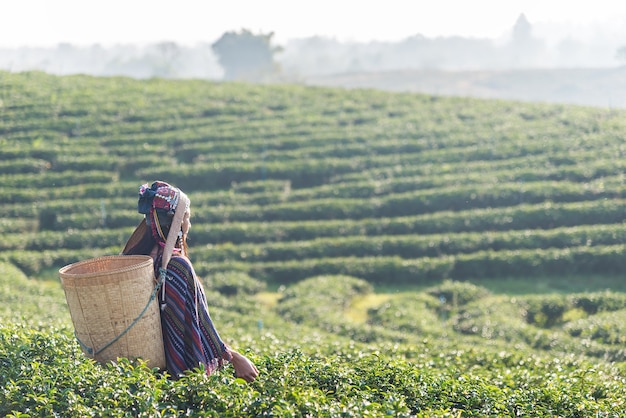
(85, 22)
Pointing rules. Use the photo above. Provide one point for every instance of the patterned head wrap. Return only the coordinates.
(159, 195)
(158, 202)
(163, 205)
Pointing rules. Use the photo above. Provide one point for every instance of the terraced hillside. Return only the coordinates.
(289, 182)
(345, 239)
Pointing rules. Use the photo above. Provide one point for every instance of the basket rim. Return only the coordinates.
(142, 262)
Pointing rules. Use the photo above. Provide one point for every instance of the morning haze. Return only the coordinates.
(534, 62)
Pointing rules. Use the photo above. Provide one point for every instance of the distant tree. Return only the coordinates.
(522, 30)
(246, 56)
(525, 48)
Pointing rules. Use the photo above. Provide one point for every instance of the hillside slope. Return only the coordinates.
(304, 201)
(288, 182)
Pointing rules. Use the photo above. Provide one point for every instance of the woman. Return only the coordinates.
(189, 336)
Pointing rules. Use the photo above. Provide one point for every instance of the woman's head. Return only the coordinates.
(166, 222)
(161, 203)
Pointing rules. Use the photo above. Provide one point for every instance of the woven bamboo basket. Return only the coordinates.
(114, 308)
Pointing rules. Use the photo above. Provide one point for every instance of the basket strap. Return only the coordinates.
(93, 352)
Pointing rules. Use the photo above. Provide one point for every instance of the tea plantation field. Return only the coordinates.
(374, 253)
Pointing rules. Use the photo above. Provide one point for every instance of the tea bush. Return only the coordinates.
(234, 283)
(324, 364)
(417, 314)
(43, 374)
(455, 293)
(420, 194)
(325, 295)
(606, 327)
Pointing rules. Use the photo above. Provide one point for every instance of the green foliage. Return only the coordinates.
(323, 193)
(457, 293)
(592, 303)
(547, 311)
(43, 374)
(493, 318)
(380, 270)
(233, 283)
(34, 262)
(460, 188)
(550, 322)
(418, 314)
(24, 300)
(325, 294)
(406, 360)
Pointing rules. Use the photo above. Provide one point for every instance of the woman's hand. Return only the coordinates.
(244, 368)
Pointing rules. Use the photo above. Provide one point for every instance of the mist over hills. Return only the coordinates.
(530, 63)
(601, 87)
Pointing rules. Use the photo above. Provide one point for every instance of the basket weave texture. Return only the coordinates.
(105, 296)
